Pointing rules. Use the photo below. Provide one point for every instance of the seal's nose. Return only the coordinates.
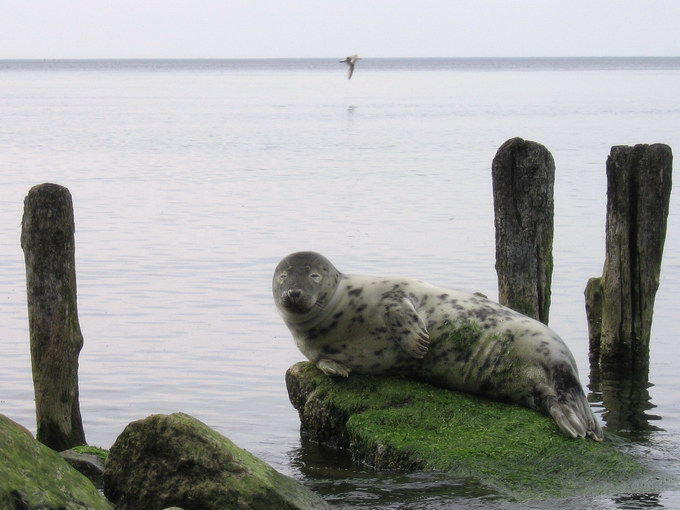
(294, 293)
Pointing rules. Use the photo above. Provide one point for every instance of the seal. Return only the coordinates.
(402, 326)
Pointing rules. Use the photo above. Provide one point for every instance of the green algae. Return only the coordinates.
(34, 476)
(394, 423)
(92, 450)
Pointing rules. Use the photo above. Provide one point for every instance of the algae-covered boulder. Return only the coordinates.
(33, 476)
(176, 460)
(391, 423)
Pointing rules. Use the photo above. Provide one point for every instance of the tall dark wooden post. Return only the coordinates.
(620, 304)
(523, 174)
(47, 238)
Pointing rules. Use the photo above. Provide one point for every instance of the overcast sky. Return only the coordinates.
(325, 28)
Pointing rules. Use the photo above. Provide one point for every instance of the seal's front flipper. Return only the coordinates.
(406, 327)
(333, 368)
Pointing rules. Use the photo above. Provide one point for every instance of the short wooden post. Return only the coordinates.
(594, 315)
(638, 197)
(47, 238)
(523, 174)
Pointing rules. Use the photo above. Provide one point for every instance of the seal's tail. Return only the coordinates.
(571, 411)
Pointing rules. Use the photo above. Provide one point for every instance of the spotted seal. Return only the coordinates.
(371, 325)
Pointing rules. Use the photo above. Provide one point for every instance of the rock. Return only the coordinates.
(32, 476)
(395, 423)
(88, 464)
(175, 460)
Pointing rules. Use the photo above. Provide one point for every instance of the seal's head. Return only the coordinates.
(303, 284)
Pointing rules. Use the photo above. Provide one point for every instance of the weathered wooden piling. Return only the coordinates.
(620, 304)
(523, 174)
(47, 238)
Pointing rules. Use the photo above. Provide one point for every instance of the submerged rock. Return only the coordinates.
(175, 460)
(32, 476)
(393, 423)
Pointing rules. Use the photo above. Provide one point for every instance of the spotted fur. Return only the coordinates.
(402, 326)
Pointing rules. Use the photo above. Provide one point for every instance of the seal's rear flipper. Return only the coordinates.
(567, 421)
(573, 415)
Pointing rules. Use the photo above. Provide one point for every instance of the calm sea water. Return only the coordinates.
(191, 179)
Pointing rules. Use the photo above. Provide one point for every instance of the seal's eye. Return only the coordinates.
(315, 276)
(282, 277)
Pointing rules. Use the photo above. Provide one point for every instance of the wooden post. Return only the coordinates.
(638, 196)
(47, 238)
(594, 315)
(523, 174)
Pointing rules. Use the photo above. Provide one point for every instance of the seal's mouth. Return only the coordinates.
(295, 301)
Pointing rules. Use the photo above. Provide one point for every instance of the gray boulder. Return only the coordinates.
(88, 464)
(32, 476)
(176, 460)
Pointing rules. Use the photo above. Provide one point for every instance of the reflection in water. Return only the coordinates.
(637, 501)
(333, 475)
(348, 486)
(626, 401)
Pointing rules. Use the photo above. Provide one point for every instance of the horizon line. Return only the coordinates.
(363, 58)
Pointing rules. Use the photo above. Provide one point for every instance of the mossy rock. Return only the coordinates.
(394, 423)
(176, 460)
(34, 476)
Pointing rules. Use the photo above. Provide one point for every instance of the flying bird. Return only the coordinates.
(350, 61)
